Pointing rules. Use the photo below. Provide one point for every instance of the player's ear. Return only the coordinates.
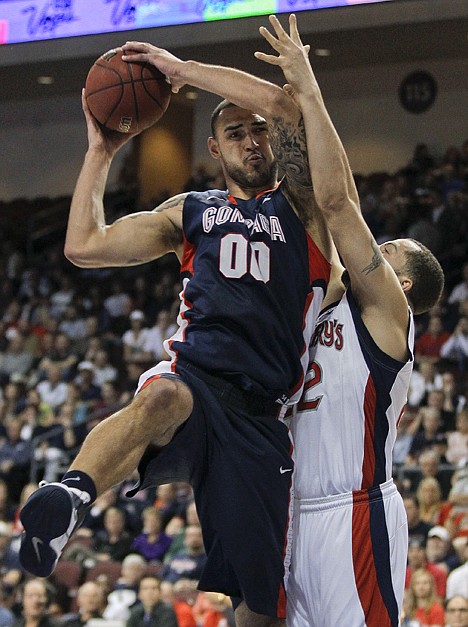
(406, 284)
(213, 148)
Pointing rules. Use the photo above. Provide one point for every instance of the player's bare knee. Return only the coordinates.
(167, 401)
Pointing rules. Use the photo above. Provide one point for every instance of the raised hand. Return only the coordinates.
(165, 61)
(292, 55)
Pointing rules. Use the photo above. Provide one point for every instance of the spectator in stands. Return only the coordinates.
(457, 581)
(61, 298)
(444, 400)
(457, 441)
(114, 542)
(72, 324)
(417, 529)
(53, 390)
(153, 542)
(184, 595)
(61, 355)
(118, 305)
(7, 508)
(7, 618)
(125, 591)
(15, 360)
(94, 517)
(91, 603)
(35, 604)
(429, 466)
(135, 338)
(429, 343)
(423, 380)
(429, 494)
(455, 348)
(439, 549)
(428, 609)
(430, 436)
(13, 400)
(457, 517)
(167, 502)
(104, 371)
(151, 611)
(213, 609)
(164, 327)
(15, 456)
(456, 611)
(10, 567)
(459, 293)
(188, 563)
(89, 393)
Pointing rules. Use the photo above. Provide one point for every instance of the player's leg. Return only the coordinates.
(109, 454)
(246, 618)
(114, 447)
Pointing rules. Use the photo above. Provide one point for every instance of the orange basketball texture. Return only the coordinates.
(126, 97)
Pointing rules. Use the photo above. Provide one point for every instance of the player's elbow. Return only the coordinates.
(334, 205)
(78, 255)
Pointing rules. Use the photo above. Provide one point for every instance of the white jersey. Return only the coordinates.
(344, 428)
(349, 537)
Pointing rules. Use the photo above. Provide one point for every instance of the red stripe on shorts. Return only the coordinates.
(372, 603)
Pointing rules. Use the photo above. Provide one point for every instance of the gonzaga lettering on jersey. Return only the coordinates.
(253, 284)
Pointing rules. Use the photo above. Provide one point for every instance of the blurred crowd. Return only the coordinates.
(73, 344)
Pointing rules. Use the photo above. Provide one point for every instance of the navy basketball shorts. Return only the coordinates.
(237, 456)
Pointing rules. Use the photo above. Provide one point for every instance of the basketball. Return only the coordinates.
(126, 97)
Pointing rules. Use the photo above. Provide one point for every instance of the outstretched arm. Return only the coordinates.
(135, 239)
(374, 282)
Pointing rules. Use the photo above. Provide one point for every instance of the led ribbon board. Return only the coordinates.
(36, 20)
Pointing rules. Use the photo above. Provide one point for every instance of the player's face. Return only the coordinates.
(243, 147)
(395, 251)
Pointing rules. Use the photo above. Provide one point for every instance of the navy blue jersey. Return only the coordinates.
(253, 283)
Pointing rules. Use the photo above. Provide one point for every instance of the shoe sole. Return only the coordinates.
(48, 518)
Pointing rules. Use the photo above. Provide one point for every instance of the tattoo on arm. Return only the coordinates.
(288, 142)
(377, 259)
(171, 202)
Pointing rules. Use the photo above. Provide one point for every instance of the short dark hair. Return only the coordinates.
(427, 275)
(224, 104)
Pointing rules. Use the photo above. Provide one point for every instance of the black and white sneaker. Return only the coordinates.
(49, 517)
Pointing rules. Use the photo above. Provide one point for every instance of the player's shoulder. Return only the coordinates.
(207, 196)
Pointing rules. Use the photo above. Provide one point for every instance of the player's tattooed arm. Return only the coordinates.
(175, 201)
(288, 142)
(376, 261)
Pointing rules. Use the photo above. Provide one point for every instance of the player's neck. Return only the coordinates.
(245, 193)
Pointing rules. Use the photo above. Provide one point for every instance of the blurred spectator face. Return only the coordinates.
(412, 512)
(431, 419)
(422, 584)
(34, 600)
(429, 491)
(427, 369)
(149, 591)
(13, 429)
(90, 598)
(193, 539)
(456, 612)
(416, 555)
(133, 569)
(429, 464)
(114, 521)
(436, 548)
(152, 521)
(435, 398)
